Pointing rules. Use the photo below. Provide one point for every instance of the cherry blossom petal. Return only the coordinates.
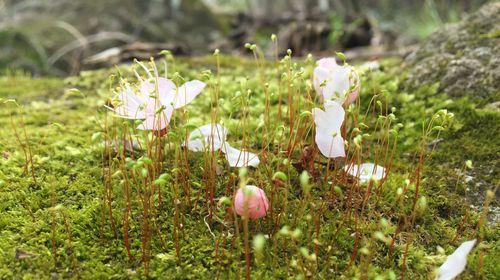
(207, 136)
(329, 121)
(333, 81)
(456, 262)
(165, 87)
(320, 79)
(366, 171)
(187, 92)
(165, 92)
(329, 145)
(339, 84)
(320, 117)
(336, 115)
(252, 201)
(132, 106)
(327, 62)
(354, 80)
(156, 119)
(239, 158)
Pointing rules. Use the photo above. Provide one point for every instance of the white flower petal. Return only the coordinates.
(330, 145)
(320, 118)
(187, 92)
(366, 171)
(327, 62)
(320, 80)
(329, 121)
(132, 106)
(332, 81)
(339, 83)
(335, 114)
(159, 85)
(239, 158)
(156, 120)
(456, 262)
(207, 136)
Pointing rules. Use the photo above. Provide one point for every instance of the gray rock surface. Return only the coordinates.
(464, 58)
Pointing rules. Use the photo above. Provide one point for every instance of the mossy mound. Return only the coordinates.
(464, 58)
(57, 226)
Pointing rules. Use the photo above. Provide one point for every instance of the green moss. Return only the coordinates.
(60, 122)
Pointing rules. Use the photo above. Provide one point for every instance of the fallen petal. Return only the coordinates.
(365, 171)
(207, 136)
(456, 262)
(239, 158)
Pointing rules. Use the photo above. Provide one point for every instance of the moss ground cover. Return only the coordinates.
(62, 211)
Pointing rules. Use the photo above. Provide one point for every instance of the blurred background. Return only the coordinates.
(63, 37)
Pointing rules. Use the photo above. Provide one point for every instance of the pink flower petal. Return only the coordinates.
(252, 201)
(156, 119)
(132, 106)
(320, 80)
(338, 86)
(187, 92)
(333, 81)
(165, 87)
(355, 92)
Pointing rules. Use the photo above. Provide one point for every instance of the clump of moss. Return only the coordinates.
(58, 226)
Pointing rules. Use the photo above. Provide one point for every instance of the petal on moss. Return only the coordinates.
(239, 158)
(366, 171)
(209, 136)
(456, 262)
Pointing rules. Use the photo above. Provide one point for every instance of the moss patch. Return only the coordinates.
(55, 226)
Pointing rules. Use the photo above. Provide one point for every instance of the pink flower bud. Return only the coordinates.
(252, 201)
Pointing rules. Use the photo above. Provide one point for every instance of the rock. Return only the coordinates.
(464, 58)
(305, 36)
(135, 50)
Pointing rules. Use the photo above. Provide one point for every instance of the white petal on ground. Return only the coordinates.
(207, 136)
(187, 92)
(456, 262)
(369, 66)
(239, 158)
(366, 171)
